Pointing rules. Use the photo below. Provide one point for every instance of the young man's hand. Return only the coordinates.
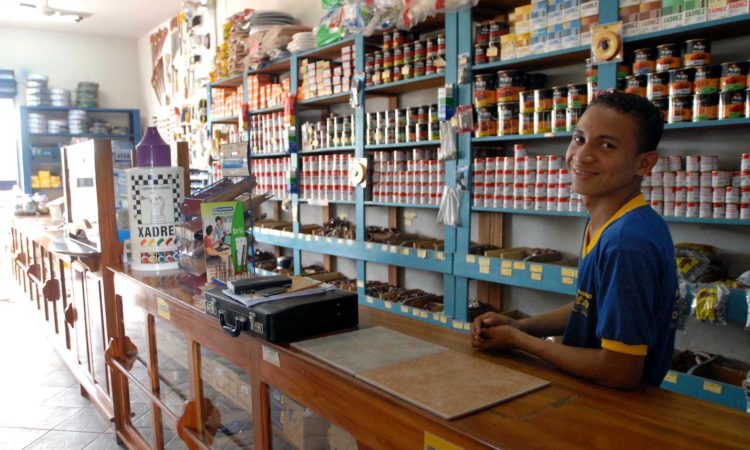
(493, 331)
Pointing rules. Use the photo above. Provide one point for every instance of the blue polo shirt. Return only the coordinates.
(627, 298)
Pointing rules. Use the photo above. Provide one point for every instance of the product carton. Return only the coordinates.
(629, 14)
(588, 24)
(555, 11)
(672, 13)
(649, 17)
(523, 45)
(340, 439)
(539, 41)
(695, 11)
(571, 33)
(508, 46)
(302, 428)
(717, 9)
(571, 10)
(589, 8)
(539, 15)
(737, 7)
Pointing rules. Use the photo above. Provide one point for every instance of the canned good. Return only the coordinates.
(486, 122)
(733, 76)
(398, 56)
(559, 120)
(398, 38)
(732, 105)
(578, 95)
(667, 57)
(510, 83)
(484, 90)
(643, 61)
(507, 119)
(697, 53)
(526, 101)
(560, 98)
(705, 107)
(592, 72)
(542, 100)
(419, 68)
(681, 81)
(408, 52)
(636, 84)
(526, 123)
(572, 116)
(657, 85)
(378, 60)
(387, 59)
(387, 41)
(680, 108)
(479, 55)
(483, 33)
(663, 104)
(398, 73)
(706, 79)
(542, 122)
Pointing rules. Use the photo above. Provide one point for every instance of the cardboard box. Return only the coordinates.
(649, 17)
(539, 41)
(554, 12)
(340, 439)
(302, 428)
(589, 8)
(737, 7)
(695, 11)
(508, 46)
(571, 10)
(672, 13)
(571, 33)
(629, 14)
(588, 24)
(539, 15)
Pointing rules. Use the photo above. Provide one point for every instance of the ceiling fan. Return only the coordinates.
(43, 7)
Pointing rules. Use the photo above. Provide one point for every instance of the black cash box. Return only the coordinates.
(282, 320)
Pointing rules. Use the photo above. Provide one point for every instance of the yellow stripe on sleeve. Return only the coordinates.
(619, 347)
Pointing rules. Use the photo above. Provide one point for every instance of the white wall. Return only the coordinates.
(67, 58)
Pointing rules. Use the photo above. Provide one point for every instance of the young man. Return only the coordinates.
(620, 330)
(219, 232)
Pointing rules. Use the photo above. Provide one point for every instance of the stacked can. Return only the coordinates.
(325, 177)
(403, 58)
(487, 48)
(402, 125)
(59, 98)
(265, 91)
(272, 175)
(411, 177)
(266, 133)
(77, 121)
(334, 132)
(733, 96)
(37, 93)
(226, 101)
(37, 123)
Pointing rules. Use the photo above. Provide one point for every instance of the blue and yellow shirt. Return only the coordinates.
(627, 290)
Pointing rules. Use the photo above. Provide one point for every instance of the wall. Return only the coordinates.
(68, 58)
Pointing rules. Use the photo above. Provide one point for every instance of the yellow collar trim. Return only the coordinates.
(634, 203)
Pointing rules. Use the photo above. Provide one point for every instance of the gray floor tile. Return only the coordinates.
(34, 395)
(88, 419)
(35, 416)
(69, 397)
(60, 377)
(105, 441)
(63, 439)
(15, 438)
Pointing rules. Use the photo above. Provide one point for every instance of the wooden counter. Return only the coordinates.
(569, 414)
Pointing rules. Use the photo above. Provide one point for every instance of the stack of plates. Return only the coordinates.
(77, 121)
(37, 123)
(99, 126)
(57, 126)
(37, 93)
(301, 42)
(60, 98)
(121, 130)
(87, 95)
(260, 18)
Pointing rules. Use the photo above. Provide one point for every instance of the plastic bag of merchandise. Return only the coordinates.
(442, 6)
(353, 16)
(328, 4)
(329, 29)
(698, 263)
(381, 15)
(415, 12)
(447, 150)
(710, 303)
(684, 301)
(449, 207)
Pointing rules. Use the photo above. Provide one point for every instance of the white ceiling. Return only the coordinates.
(130, 18)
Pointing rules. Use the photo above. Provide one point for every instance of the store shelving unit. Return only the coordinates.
(29, 164)
(454, 262)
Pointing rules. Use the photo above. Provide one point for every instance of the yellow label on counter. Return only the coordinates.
(714, 388)
(404, 309)
(424, 314)
(405, 251)
(440, 256)
(467, 326)
(506, 264)
(388, 305)
(536, 268)
(536, 276)
(443, 318)
(471, 259)
(506, 272)
(670, 377)
(573, 273)
(369, 246)
(163, 308)
(422, 254)
(436, 316)
(457, 324)
(567, 280)
(394, 249)
(432, 442)
(519, 265)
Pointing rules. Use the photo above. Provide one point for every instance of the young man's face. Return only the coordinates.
(603, 157)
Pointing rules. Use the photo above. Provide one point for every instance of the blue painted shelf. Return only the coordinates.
(324, 202)
(539, 60)
(268, 155)
(401, 145)
(326, 100)
(231, 82)
(87, 135)
(411, 84)
(321, 151)
(327, 51)
(66, 109)
(529, 211)
(226, 119)
(521, 137)
(539, 276)
(707, 124)
(718, 28)
(270, 109)
(435, 318)
(402, 205)
(275, 67)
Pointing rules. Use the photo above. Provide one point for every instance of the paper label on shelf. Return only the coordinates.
(536, 276)
(713, 388)
(329, 240)
(162, 308)
(572, 273)
(424, 314)
(436, 317)
(484, 269)
(405, 251)
(388, 305)
(394, 249)
(289, 234)
(440, 256)
(271, 356)
(536, 268)
(404, 309)
(506, 272)
(467, 326)
(471, 259)
(457, 324)
(350, 242)
(370, 300)
(443, 318)
(483, 261)
(308, 237)
(340, 241)
(506, 264)
(384, 248)
(518, 265)
(670, 377)
(317, 238)
(567, 280)
(361, 284)
(415, 312)
(422, 254)
(369, 246)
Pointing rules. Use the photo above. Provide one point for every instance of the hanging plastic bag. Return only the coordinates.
(464, 119)
(747, 321)
(415, 12)
(447, 150)
(329, 29)
(352, 17)
(684, 304)
(710, 303)
(449, 207)
(442, 6)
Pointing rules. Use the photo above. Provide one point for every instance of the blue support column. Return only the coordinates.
(293, 86)
(608, 13)
(359, 152)
(24, 170)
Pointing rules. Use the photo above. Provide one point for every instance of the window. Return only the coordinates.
(8, 144)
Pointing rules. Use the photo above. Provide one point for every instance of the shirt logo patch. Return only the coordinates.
(581, 306)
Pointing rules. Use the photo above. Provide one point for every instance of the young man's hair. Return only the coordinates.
(209, 230)
(219, 218)
(648, 117)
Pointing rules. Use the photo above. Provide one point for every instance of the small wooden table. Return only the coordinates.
(571, 413)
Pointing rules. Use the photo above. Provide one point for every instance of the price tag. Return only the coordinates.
(457, 324)
(713, 388)
(670, 377)
(484, 261)
(271, 356)
(162, 308)
(349, 242)
(436, 317)
(329, 240)
(370, 300)
(440, 256)
(567, 281)
(369, 246)
(308, 238)
(424, 314)
(519, 265)
(491, 52)
(405, 251)
(361, 283)
(536, 268)
(404, 309)
(340, 241)
(506, 264)
(471, 259)
(536, 276)
(443, 318)
(484, 269)
(422, 254)
(572, 273)
(388, 305)
(506, 272)
(394, 249)
(316, 237)
(415, 312)
(467, 326)
(384, 248)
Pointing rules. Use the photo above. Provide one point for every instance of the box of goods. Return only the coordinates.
(717, 9)
(522, 16)
(649, 17)
(695, 11)
(571, 33)
(44, 179)
(538, 14)
(539, 255)
(508, 46)
(588, 23)
(302, 428)
(539, 41)
(554, 12)
(589, 8)
(629, 14)
(523, 45)
(340, 439)
(712, 378)
(672, 13)
(737, 7)
(571, 10)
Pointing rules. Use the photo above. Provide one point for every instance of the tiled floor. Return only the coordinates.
(41, 406)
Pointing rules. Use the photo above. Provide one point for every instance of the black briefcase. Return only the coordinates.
(282, 320)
